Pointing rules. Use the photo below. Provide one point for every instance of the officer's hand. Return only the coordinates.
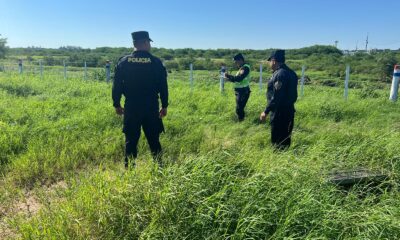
(119, 110)
(226, 75)
(263, 117)
(163, 112)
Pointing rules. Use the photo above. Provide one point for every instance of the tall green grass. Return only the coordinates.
(222, 179)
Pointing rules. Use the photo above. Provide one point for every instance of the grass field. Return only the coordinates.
(62, 177)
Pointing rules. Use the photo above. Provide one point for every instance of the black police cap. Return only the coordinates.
(238, 56)
(141, 35)
(277, 55)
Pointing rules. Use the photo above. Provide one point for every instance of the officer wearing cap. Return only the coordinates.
(281, 96)
(242, 81)
(142, 79)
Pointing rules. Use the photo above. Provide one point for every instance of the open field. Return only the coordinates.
(62, 177)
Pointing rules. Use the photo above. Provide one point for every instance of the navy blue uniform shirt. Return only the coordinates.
(282, 90)
(142, 79)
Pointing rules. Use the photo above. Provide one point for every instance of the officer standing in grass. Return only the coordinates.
(281, 96)
(242, 81)
(142, 79)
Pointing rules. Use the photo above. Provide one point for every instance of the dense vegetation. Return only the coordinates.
(3, 47)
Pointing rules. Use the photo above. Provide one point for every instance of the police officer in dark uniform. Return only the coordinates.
(281, 96)
(142, 79)
(242, 81)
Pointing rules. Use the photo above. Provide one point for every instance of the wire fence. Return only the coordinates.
(69, 69)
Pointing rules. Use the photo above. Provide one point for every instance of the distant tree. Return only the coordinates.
(71, 48)
(3, 47)
(316, 50)
(184, 63)
(29, 57)
(49, 60)
(204, 64)
(166, 56)
(386, 64)
(172, 64)
(93, 60)
(75, 60)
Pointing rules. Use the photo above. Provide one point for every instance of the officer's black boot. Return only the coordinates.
(240, 115)
(240, 112)
(130, 151)
(130, 158)
(131, 161)
(157, 156)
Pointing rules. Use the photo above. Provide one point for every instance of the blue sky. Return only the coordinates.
(252, 24)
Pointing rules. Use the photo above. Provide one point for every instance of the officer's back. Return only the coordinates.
(140, 74)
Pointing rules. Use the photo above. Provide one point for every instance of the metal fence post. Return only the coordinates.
(261, 78)
(41, 69)
(191, 76)
(221, 79)
(303, 69)
(20, 66)
(395, 83)
(346, 82)
(108, 71)
(65, 70)
(85, 71)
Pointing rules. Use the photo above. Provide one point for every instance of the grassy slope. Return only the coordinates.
(223, 179)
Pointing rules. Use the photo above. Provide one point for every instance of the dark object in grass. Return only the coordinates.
(359, 176)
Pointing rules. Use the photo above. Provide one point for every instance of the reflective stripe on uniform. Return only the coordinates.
(246, 81)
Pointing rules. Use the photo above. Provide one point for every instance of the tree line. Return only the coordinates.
(378, 64)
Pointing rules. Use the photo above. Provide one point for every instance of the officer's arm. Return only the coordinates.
(239, 77)
(163, 87)
(278, 93)
(117, 88)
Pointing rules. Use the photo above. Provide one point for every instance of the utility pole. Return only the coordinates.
(366, 44)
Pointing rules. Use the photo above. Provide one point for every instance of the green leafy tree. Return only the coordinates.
(49, 60)
(172, 64)
(3, 47)
(386, 64)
